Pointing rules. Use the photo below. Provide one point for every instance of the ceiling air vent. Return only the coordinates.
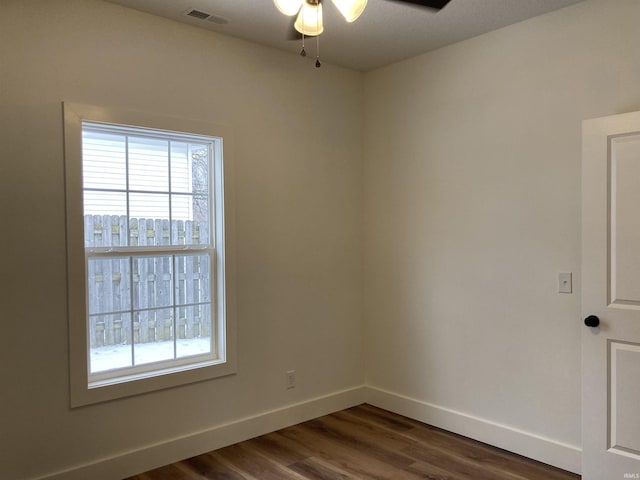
(200, 15)
(197, 14)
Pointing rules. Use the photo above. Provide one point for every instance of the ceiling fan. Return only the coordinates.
(308, 13)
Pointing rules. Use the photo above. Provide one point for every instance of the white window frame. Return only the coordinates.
(84, 389)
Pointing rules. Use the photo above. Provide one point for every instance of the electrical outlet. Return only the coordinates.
(290, 379)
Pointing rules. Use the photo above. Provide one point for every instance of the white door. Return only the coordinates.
(611, 292)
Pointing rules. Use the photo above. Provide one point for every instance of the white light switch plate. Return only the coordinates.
(564, 282)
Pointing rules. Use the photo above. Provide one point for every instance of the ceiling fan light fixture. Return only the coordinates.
(309, 21)
(350, 9)
(289, 7)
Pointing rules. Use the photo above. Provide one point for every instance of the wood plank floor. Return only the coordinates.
(363, 442)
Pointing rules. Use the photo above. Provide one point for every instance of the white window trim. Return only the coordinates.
(81, 393)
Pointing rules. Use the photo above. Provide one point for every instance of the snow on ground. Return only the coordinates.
(118, 356)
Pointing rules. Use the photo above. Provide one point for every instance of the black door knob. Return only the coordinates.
(592, 321)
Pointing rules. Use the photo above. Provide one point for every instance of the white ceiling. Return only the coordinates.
(386, 32)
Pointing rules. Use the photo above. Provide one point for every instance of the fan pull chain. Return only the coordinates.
(318, 64)
(303, 53)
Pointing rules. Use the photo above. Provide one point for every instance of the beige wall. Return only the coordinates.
(472, 208)
(298, 225)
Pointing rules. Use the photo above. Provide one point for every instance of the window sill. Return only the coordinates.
(105, 390)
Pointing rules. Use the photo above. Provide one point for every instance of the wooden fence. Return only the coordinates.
(132, 298)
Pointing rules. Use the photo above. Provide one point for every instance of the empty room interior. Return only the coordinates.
(396, 236)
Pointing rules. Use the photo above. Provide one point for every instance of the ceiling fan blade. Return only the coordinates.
(433, 4)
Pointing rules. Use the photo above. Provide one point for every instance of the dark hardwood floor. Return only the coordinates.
(363, 442)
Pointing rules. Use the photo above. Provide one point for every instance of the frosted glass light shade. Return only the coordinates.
(289, 7)
(309, 21)
(350, 9)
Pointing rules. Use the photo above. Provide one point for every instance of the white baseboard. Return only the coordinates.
(546, 450)
(152, 456)
(173, 450)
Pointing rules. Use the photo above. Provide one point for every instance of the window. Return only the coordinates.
(150, 306)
